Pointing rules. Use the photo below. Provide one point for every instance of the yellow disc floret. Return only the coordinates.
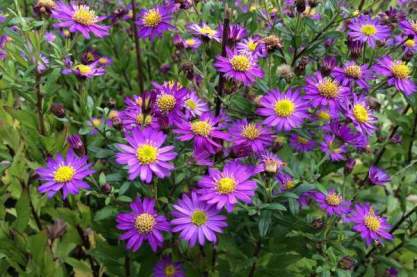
(169, 270)
(368, 30)
(250, 131)
(333, 199)
(372, 222)
(147, 154)
(152, 18)
(83, 15)
(206, 30)
(240, 63)
(199, 217)
(328, 88)
(166, 102)
(226, 185)
(191, 104)
(83, 69)
(400, 70)
(410, 43)
(284, 108)
(360, 113)
(252, 45)
(144, 223)
(353, 71)
(64, 173)
(201, 128)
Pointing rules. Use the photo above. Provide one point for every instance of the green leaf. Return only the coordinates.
(22, 211)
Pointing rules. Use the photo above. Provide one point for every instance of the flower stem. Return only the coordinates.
(137, 48)
(39, 104)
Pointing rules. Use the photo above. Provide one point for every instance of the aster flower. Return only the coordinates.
(154, 22)
(168, 268)
(251, 136)
(204, 31)
(204, 131)
(285, 181)
(370, 226)
(378, 176)
(409, 45)
(192, 43)
(194, 106)
(361, 116)
(66, 174)
(398, 74)
(409, 27)
(368, 30)
(236, 32)
(239, 66)
(269, 162)
(254, 46)
(195, 220)
(169, 100)
(79, 18)
(284, 111)
(85, 71)
(144, 155)
(332, 148)
(134, 118)
(301, 143)
(325, 91)
(332, 202)
(141, 224)
(225, 188)
(352, 73)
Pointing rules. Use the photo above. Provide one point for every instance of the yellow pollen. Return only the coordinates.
(250, 131)
(368, 30)
(190, 42)
(64, 174)
(147, 154)
(328, 88)
(353, 71)
(84, 15)
(199, 217)
(83, 69)
(206, 30)
(138, 101)
(144, 223)
(143, 121)
(240, 63)
(400, 70)
(201, 128)
(152, 18)
(360, 113)
(96, 122)
(90, 57)
(284, 108)
(170, 270)
(324, 115)
(372, 222)
(252, 45)
(103, 60)
(410, 43)
(191, 104)
(302, 140)
(290, 184)
(166, 102)
(333, 199)
(226, 185)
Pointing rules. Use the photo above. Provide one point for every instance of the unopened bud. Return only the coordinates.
(58, 110)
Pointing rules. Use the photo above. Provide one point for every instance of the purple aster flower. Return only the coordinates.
(269, 162)
(370, 226)
(204, 31)
(377, 176)
(306, 197)
(409, 45)
(325, 114)
(301, 144)
(225, 188)
(284, 111)
(241, 67)
(195, 220)
(392, 271)
(194, 106)
(134, 102)
(409, 27)
(85, 71)
(285, 181)
(204, 131)
(79, 18)
(332, 148)
(168, 268)
(361, 116)
(192, 43)
(49, 37)
(352, 73)
(236, 32)
(251, 136)
(368, 30)
(325, 91)
(76, 143)
(169, 101)
(144, 155)
(254, 46)
(143, 223)
(332, 202)
(398, 74)
(134, 118)
(154, 22)
(64, 174)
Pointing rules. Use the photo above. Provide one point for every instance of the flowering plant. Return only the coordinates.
(208, 138)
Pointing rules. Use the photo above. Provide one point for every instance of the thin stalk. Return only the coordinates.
(256, 253)
(137, 48)
(39, 104)
(410, 146)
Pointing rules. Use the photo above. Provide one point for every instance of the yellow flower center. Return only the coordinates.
(138, 101)
(333, 199)
(226, 185)
(113, 114)
(83, 69)
(400, 70)
(252, 45)
(360, 113)
(144, 223)
(206, 30)
(199, 217)
(147, 153)
(166, 102)
(201, 128)
(143, 120)
(90, 57)
(324, 115)
(170, 270)
(353, 71)
(103, 60)
(372, 222)
(96, 122)
(66, 33)
(410, 43)
(302, 140)
(191, 104)
(368, 30)
(328, 88)
(290, 184)
(190, 42)
(284, 108)
(84, 15)
(240, 63)
(64, 174)
(152, 18)
(250, 131)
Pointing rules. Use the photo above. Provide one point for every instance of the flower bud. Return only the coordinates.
(106, 188)
(272, 43)
(317, 224)
(349, 165)
(346, 263)
(58, 110)
(300, 5)
(77, 144)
